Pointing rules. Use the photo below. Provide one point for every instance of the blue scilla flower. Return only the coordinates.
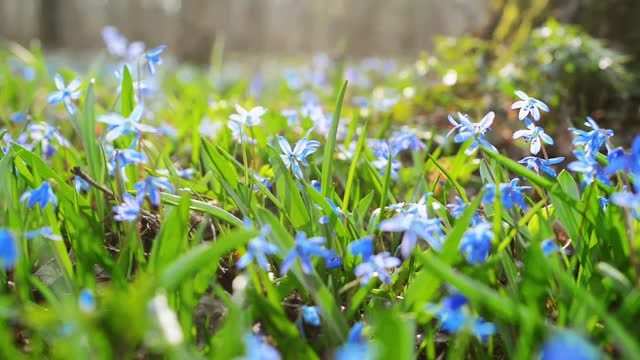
(43, 195)
(152, 58)
(258, 249)
(604, 203)
(239, 134)
(293, 158)
(127, 211)
(86, 301)
(377, 266)
(476, 131)
(363, 247)
(528, 106)
(618, 160)
(591, 170)
(81, 184)
(404, 140)
(65, 93)
(257, 349)
(356, 347)
(18, 117)
(46, 232)
(249, 118)
(510, 194)
(538, 164)
(311, 315)
(548, 246)
(126, 157)
(414, 228)
(303, 249)
(118, 45)
(8, 249)
(335, 209)
(630, 200)
(151, 186)
(535, 135)
(458, 208)
(384, 153)
(121, 126)
(47, 135)
(454, 315)
(592, 140)
(332, 260)
(291, 115)
(476, 243)
(568, 345)
(186, 174)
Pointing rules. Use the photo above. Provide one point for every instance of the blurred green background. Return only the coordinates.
(581, 56)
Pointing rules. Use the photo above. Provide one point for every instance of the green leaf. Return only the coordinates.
(289, 193)
(204, 208)
(395, 333)
(127, 96)
(200, 257)
(330, 146)
(335, 322)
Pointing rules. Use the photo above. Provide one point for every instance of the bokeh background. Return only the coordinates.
(580, 56)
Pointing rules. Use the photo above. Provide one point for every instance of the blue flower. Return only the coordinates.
(262, 180)
(43, 195)
(335, 209)
(258, 349)
(567, 344)
(592, 140)
(589, 167)
(303, 249)
(535, 135)
(453, 315)
(619, 161)
(404, 140)
(126, 157)
(332, 260)
(529, 105)
(46, 134)
(384, 154)
(476, 131)
(118, 45)
(376, 266)
(129, 210)
(458, 208)
(81, 184)
(363, 247)
(311, 315)
(152, 185)
(65, 94)
(414, 227)
(120, 126)
(291, 115)
(45, 232)
(604, 203)
(8, 249)
(238, 133)
(536, 164)
(356, 347)
(629, 200)
(259, 247)
(186, 174)
(548, 246)
(476, 243)
(293, 158)
(510, 194)
(87, 301)
(249, 118)
(153, 58)
(18, 117)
